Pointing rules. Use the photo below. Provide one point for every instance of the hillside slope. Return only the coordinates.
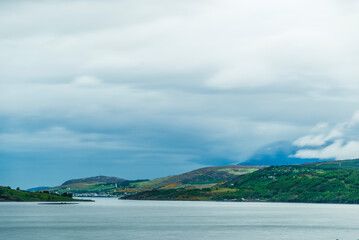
(199, 178)
(324, 182)
(7, 194)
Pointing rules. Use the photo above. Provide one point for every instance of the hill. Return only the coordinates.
(8, 194)
(89, 185)
(196, 179)
(321, 182)
(199, 178)
(97, 179)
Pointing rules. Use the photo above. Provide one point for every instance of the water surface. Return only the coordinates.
(110, 219)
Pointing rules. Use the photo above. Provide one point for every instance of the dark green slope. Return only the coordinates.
(332, 165)
(296, 184)
(7, 194)
(324, 182)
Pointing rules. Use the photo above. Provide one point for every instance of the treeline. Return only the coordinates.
(8, 194)
(297, 184)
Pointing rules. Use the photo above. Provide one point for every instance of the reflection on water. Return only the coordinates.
(109, 219)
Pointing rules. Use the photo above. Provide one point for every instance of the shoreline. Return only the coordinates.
(191, 200)
(55, 201)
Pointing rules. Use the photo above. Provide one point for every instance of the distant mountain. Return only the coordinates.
(277, 153)
(36, 189)
(97, 179)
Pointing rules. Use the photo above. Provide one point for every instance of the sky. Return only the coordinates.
(146, 89)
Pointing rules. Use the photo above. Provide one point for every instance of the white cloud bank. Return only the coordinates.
(239, 44)
(338, 142)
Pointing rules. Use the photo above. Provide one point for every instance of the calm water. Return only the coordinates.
(109, 219)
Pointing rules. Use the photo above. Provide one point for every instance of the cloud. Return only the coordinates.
(61, 138)
(337, 150)
(84, 81)
(317, 140)
(354, 120)
(186, 83)
(230, 44)
(339, 142)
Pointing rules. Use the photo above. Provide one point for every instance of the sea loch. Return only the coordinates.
(110, 219)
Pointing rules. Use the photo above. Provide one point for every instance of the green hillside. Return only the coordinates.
(8, 194)
(324, 182)
(332, 165)
(199, 178)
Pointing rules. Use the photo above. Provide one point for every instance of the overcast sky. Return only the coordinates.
(145, 89)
